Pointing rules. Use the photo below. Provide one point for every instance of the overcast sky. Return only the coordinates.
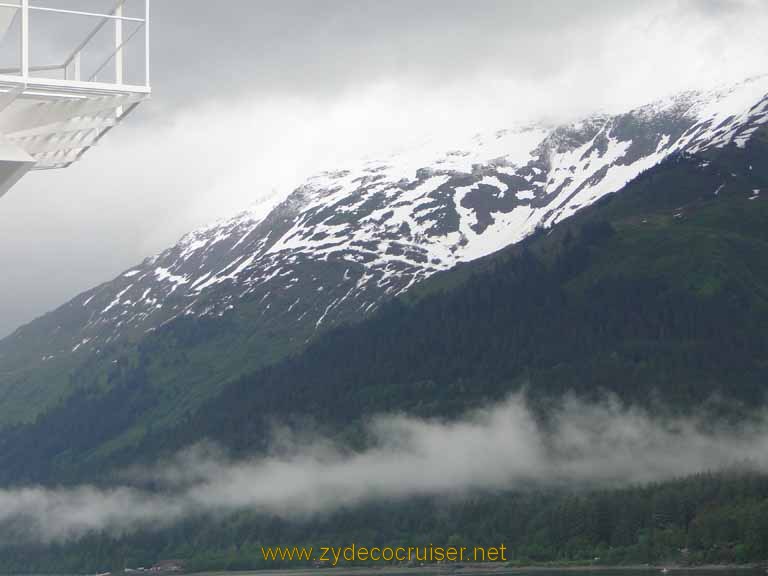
(252, 96)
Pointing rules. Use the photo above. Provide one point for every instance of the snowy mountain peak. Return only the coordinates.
(338, 245)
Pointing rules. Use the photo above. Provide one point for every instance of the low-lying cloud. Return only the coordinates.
(502, 447)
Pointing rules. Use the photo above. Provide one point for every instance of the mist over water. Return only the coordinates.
(501, 447)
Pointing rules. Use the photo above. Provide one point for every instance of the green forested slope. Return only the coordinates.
(658, 294)
(704, 519)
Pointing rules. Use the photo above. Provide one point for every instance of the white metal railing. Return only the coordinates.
(71, 67)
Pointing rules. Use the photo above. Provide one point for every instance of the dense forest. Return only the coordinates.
(657, 294)
(710, 518)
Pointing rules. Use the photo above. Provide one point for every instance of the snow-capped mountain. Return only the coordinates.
(345, 240)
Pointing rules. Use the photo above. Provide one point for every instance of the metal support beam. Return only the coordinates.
(146, 44)
(77, 63)
(119, 67)
(25, 39)
(54, 112)
(74, 12)
(67, 127)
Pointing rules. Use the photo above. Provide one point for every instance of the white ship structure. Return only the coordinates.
(70, 71)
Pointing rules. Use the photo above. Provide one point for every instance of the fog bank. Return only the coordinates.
(498, 448)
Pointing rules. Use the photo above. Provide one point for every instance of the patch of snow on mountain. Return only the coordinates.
(337, 246)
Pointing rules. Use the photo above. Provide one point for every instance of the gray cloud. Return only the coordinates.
(322, 47)
(259, 95)
(498, 448)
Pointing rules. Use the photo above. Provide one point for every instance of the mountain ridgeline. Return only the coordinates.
(657, 294)
(337, 248)
(623, 256)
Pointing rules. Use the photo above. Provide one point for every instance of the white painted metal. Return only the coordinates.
(14, 163)
(50, 122)
(25, 39)
(108, 16)
(147, 67)
(119, 44)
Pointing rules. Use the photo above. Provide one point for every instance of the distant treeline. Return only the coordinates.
(710, 518)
